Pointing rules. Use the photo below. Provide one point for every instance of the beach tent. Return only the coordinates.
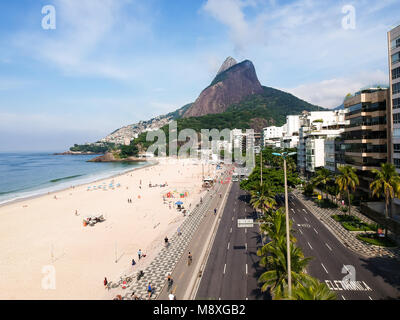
(179, 203)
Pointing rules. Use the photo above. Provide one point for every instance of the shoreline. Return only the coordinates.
(14, 201)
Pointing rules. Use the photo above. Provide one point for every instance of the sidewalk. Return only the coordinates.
(346, 237)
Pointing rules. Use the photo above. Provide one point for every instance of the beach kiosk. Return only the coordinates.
(208, 182)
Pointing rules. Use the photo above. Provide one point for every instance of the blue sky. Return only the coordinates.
(111, 63)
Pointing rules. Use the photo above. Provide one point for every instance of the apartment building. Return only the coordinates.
(366, 137)
(316, 128)
(272, 136)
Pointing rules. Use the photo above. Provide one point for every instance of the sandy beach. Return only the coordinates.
(47, 253)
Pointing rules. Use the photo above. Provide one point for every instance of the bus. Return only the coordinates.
(235, 177)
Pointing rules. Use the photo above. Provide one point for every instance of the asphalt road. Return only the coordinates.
(375, 278)
(232, 268)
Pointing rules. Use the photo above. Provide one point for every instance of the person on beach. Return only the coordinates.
(139, 253)
(179, 231)
(166, 241)
(105, 282)
(215, 211)
(149, 290)
(170, 282)
(133, 262)
(190, 258)
(76, 212)
(171, 296)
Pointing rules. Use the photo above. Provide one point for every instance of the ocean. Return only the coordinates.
(25, 175)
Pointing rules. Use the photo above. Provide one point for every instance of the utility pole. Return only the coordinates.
(261, 168)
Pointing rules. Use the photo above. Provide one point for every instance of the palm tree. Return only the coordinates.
(347, 180)
(323, 177)
(276, 277)
(387, 183)
(312, 289)
(262, 198)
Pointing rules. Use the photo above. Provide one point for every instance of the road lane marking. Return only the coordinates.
(305, 219)
(328, 246)
(315, 231)
(231, 230)
(232, 218)
(369, 298)
(228, 245)
(310, 246)
(293, 220)
(246, 269)
(324, 268)
(246, 246)
(343, 298)
(301, 231)
(245, 230)
(292, 210)
(224, 268)
(305, 210)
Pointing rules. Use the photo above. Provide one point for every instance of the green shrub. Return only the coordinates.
(373, 238)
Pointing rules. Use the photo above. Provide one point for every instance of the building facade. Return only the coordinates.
(394, 95)
(366, 137)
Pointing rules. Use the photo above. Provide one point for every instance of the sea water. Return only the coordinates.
(24, 175)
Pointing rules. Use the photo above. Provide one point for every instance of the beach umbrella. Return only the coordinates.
(179, 203)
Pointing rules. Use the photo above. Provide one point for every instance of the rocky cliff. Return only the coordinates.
(233, 83)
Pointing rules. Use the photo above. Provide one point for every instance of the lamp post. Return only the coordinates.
(284, 155)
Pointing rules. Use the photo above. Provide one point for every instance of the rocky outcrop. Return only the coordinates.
(110, 157)
(230, 86)
(228, 63)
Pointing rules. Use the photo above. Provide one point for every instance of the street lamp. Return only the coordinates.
(284, 155)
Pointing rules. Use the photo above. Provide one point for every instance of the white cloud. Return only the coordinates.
(330, 93)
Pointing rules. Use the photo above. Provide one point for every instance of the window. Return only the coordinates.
(396, 118)
(396, 103)
(396, 88)
(395, 57)
(396, 132)
(395, 43)
(396, 148)
(396, 73)
(397, 163)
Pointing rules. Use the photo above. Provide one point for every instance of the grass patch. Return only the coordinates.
(352, 223)
(374, 239)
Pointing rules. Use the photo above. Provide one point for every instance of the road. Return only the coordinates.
(376, 278)
(233, 268)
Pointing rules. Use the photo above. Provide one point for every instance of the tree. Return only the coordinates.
(386, 183)
(276, 277)
(262, 198)
(313, 289)
(323, 177)
(347, 180)
(274, 225)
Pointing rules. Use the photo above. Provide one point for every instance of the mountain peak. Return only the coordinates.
(228, 63)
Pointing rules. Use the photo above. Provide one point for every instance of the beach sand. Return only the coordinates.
(47, 253)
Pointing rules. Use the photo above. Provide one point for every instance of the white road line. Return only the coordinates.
(324, 268)
(346, 268)
(310, 246)
(232, 218)
(343, 298)
(306, 219)
(228, 245)
(246, 269)
(315, 231)
(246, 246)
(245, 230)
(301, 231)
(328, 246)
(305, 210)
(369, 298)
(224, 268)
(231, 230)
(292, 210)
(293, 220)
